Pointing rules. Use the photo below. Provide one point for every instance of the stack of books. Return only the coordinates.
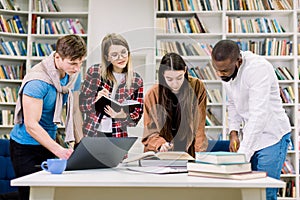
(228, 165)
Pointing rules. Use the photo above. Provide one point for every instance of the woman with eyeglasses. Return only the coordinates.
(175, 110)
(116, 79)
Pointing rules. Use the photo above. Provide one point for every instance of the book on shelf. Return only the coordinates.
(214, 95)
(127, 105)
(210, 97)
(235, 176)
(291, 146)
(20, 27)
(279, 74)
(211, 119)
(219, 168)
(285, 73)
(287, 167)
(289, 190)
(169, 158)
(9, 5)
(217, 94)
(220, 157)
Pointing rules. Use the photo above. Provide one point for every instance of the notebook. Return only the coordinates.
(99, 152)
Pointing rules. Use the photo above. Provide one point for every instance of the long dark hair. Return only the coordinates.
(184, 102)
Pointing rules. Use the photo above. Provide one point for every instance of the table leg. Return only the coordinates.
(255, 193)
(45, 193)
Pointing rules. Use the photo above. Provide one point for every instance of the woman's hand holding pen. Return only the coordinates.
(103, 92)
(166, 147)
(234, 141)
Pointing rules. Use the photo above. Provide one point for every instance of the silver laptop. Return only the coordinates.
(99, 152)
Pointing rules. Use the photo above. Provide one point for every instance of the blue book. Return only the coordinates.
(192, 5)
(187, 26)
(5, 48)
(23, 53)
(11, 46)
(277, 26)
(19, 24)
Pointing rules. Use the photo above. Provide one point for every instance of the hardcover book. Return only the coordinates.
(127, 105)
(219, 168)
(235, 176)
(220, 157)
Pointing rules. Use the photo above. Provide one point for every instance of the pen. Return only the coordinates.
(235, 145)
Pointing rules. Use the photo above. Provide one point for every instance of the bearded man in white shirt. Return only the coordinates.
(253, 100)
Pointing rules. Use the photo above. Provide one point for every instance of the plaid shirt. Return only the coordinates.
(94, 83)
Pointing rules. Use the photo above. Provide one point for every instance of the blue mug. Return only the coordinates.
(54, 166)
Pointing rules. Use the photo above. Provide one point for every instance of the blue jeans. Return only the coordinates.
(270, 160)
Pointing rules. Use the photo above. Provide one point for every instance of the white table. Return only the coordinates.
(119, 183)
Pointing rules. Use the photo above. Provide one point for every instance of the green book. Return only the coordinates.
(220, 157)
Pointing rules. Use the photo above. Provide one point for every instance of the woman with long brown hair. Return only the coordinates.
(175, 110)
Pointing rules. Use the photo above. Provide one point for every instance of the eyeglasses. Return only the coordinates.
(116, 55)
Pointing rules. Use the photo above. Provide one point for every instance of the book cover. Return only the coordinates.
(220, 157)
(219, 168)
(127, 105)
(235, 176)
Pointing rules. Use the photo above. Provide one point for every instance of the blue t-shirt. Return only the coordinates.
(47, 92)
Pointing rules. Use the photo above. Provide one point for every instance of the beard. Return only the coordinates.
(232, 76)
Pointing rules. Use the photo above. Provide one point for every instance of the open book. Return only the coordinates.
(127, 105)
(169, 158)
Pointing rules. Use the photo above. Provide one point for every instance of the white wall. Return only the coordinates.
(134, 19)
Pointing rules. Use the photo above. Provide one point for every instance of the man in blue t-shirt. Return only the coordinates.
(49, 84)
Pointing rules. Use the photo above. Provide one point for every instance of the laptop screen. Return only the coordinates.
(99, 152)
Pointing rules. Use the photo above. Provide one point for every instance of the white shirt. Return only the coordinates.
(106, 122)
(254, 100)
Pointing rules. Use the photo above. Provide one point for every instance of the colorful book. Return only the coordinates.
(220, 157)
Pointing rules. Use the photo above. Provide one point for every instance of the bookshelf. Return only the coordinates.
(246, 24)
(35, 37)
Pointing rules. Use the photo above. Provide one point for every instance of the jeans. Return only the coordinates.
(270, 160)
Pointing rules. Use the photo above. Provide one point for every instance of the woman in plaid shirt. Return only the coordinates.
(114, 78)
